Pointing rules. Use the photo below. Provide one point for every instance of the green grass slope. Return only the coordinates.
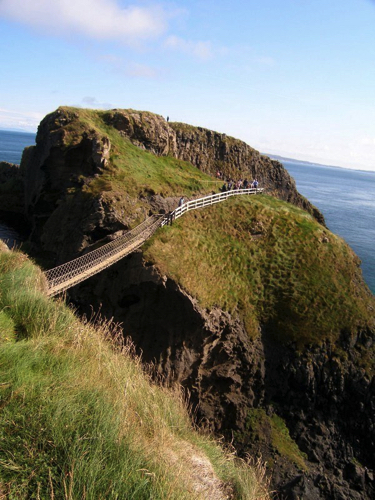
(81, 420)
(130, 167)
(271, 263)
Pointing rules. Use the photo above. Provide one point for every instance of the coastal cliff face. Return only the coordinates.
(11, 188)
(281, 361)
(309, 413)
(12, 200)
(71, 201)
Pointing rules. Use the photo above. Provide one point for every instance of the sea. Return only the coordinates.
(345, 197)
(13, 143)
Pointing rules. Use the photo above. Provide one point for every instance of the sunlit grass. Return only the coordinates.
(269, 262)
(81, 420)
(131, 168)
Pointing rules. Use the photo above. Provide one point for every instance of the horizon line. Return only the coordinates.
(271, 155)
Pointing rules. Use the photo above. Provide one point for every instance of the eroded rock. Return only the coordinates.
(327, 403)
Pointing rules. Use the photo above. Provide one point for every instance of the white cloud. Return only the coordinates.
(368, 142)
(92, 102)
(98, 19)
(201, 50)
(23, 121)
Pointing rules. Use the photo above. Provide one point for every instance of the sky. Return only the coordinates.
(294, 78)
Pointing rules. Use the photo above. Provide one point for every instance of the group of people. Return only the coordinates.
(229, 186)
(240, 184)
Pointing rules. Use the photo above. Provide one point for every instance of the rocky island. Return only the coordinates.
(253, 306)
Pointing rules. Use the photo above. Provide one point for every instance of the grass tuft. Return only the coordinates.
(261, 429)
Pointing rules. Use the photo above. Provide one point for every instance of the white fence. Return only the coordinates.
(206, 201)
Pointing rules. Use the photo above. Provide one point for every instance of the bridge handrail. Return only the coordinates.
(208, 200)
(66, 271)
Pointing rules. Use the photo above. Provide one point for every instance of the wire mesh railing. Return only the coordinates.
(71, 273)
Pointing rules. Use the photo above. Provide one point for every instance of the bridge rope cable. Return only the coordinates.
(73, 272)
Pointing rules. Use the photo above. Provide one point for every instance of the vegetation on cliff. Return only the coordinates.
(80, 419)
(262, 430)
(127, 156)
(131, 167)
(271, 263)
(294, 286)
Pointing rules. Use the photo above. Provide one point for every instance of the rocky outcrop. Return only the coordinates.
(209, 151)
(67, 215)
(145, 130)
(12, 203)
(325, 398)
(9, 171)
(63, 219)
(52, 167)
(212, 151)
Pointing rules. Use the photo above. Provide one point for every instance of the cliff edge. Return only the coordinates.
(253, 305)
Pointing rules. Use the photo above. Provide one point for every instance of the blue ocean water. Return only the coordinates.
(13, 143)
(347, 200)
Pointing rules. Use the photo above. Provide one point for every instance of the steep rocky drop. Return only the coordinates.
(307, 409)
(72, 156)
(327, 404)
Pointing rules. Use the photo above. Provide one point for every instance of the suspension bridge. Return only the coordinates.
(71, 273)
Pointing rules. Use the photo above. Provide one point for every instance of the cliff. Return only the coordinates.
(12, 204)
(87, 163)
(272, 335)
(81, 419)
(252, 305)
(209, 151)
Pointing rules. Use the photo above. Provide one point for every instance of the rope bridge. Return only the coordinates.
(67, 275)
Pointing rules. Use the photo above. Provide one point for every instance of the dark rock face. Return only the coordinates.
(145, 130)
(63, 219)
(209, 352)
(12, 202)
(209, 151)
(9, 171)
(327, 404)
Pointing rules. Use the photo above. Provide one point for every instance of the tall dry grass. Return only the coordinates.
(81, 419)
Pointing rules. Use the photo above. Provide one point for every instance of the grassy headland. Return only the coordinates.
(260, 257)
(81, 420)
(271, 263)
